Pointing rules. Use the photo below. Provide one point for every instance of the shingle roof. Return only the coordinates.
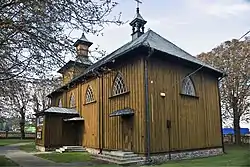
(122, 112)
(152, 40)
(84, 40)
(74, 119)
(71, 63)
(61, 110)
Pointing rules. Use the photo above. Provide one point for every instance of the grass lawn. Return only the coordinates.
(235, 156)
(28, 147)
(6, 162)
(66, 157)
(5, 142)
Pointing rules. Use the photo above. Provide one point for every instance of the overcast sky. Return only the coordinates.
(194, 25)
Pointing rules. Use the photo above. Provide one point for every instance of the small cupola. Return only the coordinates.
(82, 48)
(137, 24)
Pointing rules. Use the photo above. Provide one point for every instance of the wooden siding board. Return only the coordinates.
(195, 121)
(113, 139)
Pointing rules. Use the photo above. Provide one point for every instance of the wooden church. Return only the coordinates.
(149, 97)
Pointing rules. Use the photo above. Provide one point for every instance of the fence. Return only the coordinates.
(16, 135)
(230, 139)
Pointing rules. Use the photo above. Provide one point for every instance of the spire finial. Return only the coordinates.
(138, 5)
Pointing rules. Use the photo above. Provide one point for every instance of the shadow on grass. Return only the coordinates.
(6, 162)
(5, 142)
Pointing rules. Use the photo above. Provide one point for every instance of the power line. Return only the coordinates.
(198, 69)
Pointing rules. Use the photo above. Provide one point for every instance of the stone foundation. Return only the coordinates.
(161, 158)
(43, 149)
(155, 159)
(40, 148)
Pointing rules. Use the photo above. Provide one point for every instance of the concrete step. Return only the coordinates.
(59, 150)
(72, 147)
(129, 162)
(121, 154)
(125, 156)
(121, 159)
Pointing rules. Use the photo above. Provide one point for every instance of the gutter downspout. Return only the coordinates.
(222, 142)
(99, 118)
(146, 89)
(102, 87)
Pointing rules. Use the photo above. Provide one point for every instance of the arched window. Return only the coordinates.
(72, 101)
(187, 87)
(60, 103)
(119, 86)
(89, 96)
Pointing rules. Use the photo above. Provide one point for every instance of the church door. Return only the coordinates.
(127, 127)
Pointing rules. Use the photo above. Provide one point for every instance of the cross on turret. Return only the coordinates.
(138, 3)
(137, 23)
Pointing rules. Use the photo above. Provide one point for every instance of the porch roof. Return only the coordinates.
(60, 110)
(122, 112)
(74, 119)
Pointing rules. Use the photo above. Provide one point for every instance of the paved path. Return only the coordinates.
(22, 158)
(25, 159)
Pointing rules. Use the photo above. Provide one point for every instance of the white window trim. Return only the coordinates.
(187, 87)
(72, 101)
(119, 86)
(89, 96)
(60, 103)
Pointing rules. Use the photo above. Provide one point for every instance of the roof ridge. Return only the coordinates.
(171, 43)
(186, 53)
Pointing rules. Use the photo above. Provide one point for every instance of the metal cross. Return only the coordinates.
(138, 2)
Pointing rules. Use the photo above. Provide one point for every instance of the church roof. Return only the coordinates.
(149, 39)
(137, 17)
(76, 63)
(153, 40)
(83, 40)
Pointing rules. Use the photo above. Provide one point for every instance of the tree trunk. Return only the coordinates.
(236, 122)
(22, 123)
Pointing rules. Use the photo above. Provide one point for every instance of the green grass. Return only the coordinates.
(235, 156)
(6, 162)
(28, 147)
(66, 157)
(5, 142)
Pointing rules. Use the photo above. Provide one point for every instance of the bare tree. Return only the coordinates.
(41, 89)
(17, 97)
(33, 38)
(233, 57)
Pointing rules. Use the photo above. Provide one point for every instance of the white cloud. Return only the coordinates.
(222, 8)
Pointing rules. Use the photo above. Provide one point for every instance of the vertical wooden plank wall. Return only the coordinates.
(90, 113)
(133, 76)
(195, 121)
(112, 127)
(53, 136)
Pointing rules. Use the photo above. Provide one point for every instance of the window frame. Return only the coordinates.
(188, 81)
(39, 121)
(89, 91)
(120, 81)
(72, 95)
(60, 103)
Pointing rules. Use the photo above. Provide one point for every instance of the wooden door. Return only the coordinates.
(127, 128)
